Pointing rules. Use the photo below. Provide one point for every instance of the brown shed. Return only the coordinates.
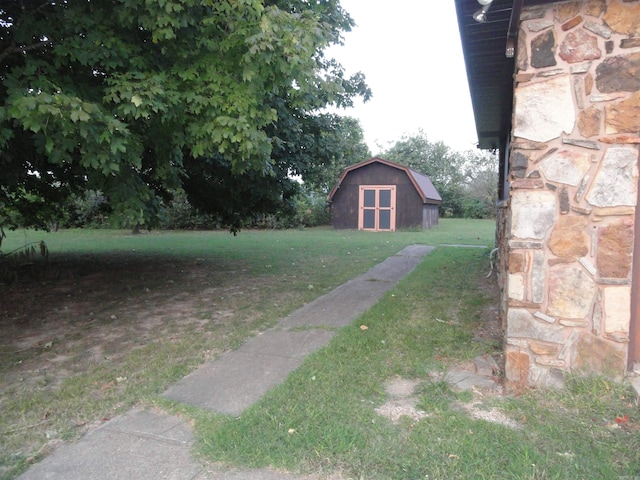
(380, 195)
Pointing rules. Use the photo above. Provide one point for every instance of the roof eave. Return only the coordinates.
(489, 70)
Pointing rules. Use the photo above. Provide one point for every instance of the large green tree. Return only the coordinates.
(138, 98)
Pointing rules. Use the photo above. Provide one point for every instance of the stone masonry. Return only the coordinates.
(569, 222)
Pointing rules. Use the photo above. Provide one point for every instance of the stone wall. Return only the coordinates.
(573, 191)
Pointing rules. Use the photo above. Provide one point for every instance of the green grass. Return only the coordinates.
(107, 284)
(323, 419)
(250, 245)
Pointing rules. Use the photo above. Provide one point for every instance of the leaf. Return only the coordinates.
(623, 419)
(117, 145)
(49, 145)
(83, 116)
(136, 100)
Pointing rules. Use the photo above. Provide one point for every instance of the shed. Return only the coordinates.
(379, 195)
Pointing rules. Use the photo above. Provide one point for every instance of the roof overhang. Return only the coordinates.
(489, 68)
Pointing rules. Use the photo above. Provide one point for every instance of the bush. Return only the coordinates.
(474, 208)
(91, 210)
(311, 211)
(179, 214)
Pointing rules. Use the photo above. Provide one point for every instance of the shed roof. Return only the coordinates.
(422, 183)
(489, 69)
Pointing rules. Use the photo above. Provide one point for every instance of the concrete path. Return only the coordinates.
(239, 378)
(152, 445)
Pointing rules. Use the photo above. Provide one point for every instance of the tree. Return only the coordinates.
(140, 98)
(481, 188)
(467, 182)
(337, 143)
(313, 146)
(438, 162)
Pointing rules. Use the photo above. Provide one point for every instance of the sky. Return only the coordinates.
(410, 54)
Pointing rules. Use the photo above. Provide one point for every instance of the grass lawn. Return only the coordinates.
(326, 417)
(112, 319)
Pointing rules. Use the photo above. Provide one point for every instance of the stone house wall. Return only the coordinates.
(569, 226)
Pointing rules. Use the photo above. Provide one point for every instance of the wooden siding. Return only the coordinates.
(410, 210)
(430, 216)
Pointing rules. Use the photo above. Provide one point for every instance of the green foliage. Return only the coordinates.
(438, 162)
(480, 192)
(89, 209)
(336, 142)
(178, 214)
(312, 210)
(135, 98)
(467, 182)
(238, 197)
(305, 210)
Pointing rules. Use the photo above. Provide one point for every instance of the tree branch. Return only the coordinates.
(15, 48)
(18, 48)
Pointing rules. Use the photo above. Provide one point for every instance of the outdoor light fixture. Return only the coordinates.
(481, 15)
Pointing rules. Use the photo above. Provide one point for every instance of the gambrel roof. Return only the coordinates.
(421, 182)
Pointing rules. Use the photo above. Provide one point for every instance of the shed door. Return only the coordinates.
(377, 210)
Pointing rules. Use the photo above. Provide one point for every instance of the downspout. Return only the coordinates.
(633, 359)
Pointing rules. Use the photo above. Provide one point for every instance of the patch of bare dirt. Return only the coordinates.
(489, 286)
(477, 409)
(99, 308)
(401, 402)
(489, 329)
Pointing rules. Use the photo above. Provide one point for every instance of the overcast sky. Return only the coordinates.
(410, 53)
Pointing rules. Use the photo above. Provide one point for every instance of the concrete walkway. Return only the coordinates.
(149, 444)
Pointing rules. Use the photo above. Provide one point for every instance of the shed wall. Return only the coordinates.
(430, 215)
(409, 206)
